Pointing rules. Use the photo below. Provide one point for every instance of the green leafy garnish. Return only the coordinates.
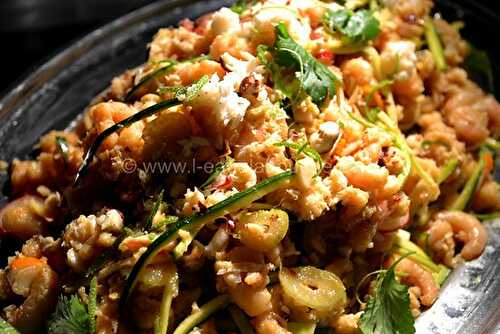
(162, 68)
(6, 328)
(188, 93)
(165, 222)
(240, 6)
(303, 148)
(62, 146)
(154, 211)
(70, 316)
(307, 73)
(478, 66)
(389, 311)
(357, 27)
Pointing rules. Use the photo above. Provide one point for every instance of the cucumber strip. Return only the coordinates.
(465, 197)
(183, 245)
(302, 327)
(202, 314)
(447, 170)
(405, 247)
(150, 76)
(487, 216)
(118, 126)
(229, 205)
(6, 328)
(92, 306)
(241, 320)
(435, 45)
(169, 292)
(154, 211)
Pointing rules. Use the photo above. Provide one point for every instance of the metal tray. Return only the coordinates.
(59, 90)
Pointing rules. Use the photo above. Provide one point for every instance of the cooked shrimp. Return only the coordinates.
(487, 197)
(441, 241)
(269, 323)
(415, 275)
(25, 217)
(468, 230)
(357, 72)
(33, 279)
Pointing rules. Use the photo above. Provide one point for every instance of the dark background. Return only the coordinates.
(33, 30)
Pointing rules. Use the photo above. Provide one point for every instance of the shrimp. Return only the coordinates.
(191, 72)
(468, 230)
(441, 241)
(33, 279)
(415, 275)
(25, 217)
(357, 72)
(487, 198)
(269, 323)
(52, 167)
(235, 45)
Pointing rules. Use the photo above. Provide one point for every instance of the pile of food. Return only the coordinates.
(279, 166)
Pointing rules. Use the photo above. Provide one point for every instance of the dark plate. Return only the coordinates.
(60, 89)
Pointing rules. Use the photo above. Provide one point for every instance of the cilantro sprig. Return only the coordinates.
(295, 70)
(357, 27)
(389, 311)
(70, 316)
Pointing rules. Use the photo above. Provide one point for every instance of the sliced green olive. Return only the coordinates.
(262, 230)
(312, 287)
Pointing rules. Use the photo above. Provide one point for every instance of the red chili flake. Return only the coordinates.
(326, 57)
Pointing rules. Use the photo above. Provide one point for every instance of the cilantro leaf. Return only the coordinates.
(70, 316)
(358, 27)
(240, 6)
(389, 311)
(309, 74)
(186, 93)
(7, 328)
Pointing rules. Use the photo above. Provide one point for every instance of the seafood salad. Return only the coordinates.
(276, 166)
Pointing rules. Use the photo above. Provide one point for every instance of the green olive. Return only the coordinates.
(312, 287)
(262, 230)
(158, 275)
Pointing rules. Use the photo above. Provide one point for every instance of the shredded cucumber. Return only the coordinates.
(229, 205)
